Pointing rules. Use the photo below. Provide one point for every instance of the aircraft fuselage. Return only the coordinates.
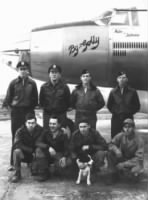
(104, 50)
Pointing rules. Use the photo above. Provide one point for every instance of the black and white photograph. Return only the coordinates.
(74, 100)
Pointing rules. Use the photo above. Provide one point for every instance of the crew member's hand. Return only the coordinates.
(66, 131)
(121, 166)
(85, 147)
(62, 162)
(52, 151)
(118, 153)
(5, 108)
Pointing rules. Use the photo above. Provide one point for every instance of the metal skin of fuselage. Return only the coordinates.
(103, 50)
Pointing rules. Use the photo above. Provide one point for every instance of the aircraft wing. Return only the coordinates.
(17, 47)
(17, 51)
(14, 52)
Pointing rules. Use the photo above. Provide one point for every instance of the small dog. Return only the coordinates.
(84, 163)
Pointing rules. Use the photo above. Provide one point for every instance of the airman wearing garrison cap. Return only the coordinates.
(123, 102)
(122, 73)
(86, 99)
(85, 71)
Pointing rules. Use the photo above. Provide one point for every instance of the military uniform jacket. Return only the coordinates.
(60, 143)
(88, 102)
(22, 93)
(126, 103)
(26, 141)
(132, 149)
(95, 141)
(55, 99)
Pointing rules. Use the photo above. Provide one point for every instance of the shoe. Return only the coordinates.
(16, 177)
(135, 178)
(111, 179)
(11, 168)
(34, 173)
(52, 169)
(42, 178)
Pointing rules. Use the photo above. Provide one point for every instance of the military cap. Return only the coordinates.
(22, 64)
(83, 120)
(122, 73)
(30, 116)
(129, 121)
(54, 67)
(85, 71)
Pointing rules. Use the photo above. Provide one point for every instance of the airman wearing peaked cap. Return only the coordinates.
(54, 95)
(22, 97)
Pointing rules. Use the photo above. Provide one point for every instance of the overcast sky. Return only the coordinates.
(18, 17)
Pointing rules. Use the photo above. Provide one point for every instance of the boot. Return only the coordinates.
(111, 178)
(11, 168)
(42, 176)
(16, 177)
(34, 169)
(52, 169)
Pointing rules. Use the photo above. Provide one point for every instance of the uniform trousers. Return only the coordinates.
(17, 120)
(131, 166)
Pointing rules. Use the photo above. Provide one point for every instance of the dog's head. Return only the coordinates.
(84, 160)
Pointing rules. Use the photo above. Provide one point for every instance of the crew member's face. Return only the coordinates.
(84, 128)
(128, 129)
(54, 76)
(53, 125)
(23, 71)
(122, 80)
(85, 78)
(30, 124)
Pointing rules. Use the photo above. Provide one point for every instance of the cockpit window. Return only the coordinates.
(123, 17)
(106, 17)
(120, 18)
(114, 18)
(143, 17)
(135, 18)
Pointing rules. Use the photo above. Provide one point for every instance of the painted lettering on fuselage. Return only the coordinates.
(127, 34)
(91, 44)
